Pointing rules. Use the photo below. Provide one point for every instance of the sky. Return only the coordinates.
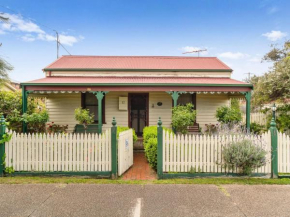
(239, 32)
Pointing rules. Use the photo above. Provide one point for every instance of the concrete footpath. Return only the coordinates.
(144, 200)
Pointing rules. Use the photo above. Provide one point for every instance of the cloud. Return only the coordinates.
(190, 49)
(234, 56)
(28, 37)
(274, 35)
(255, 59)
(32, 31)
(273, 10)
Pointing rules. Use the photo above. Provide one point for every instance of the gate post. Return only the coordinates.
(159, 149)
(274, 146)
(114, 149)
(2, 145)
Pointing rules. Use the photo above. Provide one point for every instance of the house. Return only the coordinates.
(136, 90)
(10, 86)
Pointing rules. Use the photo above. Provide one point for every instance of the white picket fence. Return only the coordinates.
(200, 153)
(59, 152)
(283, 153)
(258, 117)
(125, 151)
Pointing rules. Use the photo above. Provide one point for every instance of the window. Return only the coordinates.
(183, 99)
(89, 101)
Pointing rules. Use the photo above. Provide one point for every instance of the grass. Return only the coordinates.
(81, 180)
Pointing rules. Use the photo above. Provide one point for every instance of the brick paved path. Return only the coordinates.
(140, 169)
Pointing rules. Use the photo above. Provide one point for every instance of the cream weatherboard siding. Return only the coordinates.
(61, 108)
(112, 110)
(206, 107)
(163, 111)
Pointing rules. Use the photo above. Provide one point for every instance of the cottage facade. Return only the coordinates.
(136, 90)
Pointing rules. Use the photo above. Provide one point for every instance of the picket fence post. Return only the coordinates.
(114, 149)
(159, 149)
(274, 147)
(2, 145)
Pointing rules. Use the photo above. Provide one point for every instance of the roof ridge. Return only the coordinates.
(136, 56)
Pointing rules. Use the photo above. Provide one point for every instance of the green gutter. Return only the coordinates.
(137, 84)
(138, 70)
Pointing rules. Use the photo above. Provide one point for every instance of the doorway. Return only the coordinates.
(138, 111)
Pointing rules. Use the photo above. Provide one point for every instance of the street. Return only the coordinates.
(144, 200)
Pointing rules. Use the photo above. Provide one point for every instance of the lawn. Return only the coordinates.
(81, 180)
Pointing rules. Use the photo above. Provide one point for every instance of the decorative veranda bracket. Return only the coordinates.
(175, 96)
(100, 95)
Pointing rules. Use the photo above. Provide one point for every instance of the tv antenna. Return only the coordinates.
(195, 51)
(249, 75)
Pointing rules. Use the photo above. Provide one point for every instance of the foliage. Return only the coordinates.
(275, 84)
(182, 117)
(6, 138)
(36, 121)
(282, 118)
(15, 120)
(83, 116)
(257, 128)
(229, 114)
(151, 152)
(244, 155)
(11, 108)
(211, 129)
(8, 170)
(121, 129)
(56, 128)
(5, 68)
(150, 144)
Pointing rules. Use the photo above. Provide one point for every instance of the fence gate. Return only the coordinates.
(125, 151)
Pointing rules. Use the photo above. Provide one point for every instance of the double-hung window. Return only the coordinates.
(90, 102)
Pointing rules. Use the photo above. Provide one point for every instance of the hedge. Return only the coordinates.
(121, 129)
(150, 144)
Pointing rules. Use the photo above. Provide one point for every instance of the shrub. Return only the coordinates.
(56, 128)
(151, 152)
(182, 117)
(121, 129)
(229, 114)
(257, 128)
(150, 144)
(83, 116)
(244, 155)
(11, 108)
(225, 114)
(36, 121)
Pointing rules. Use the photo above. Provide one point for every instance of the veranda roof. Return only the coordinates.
(115, 63)
(131, 81)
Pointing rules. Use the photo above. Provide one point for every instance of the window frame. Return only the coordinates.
(83, 105)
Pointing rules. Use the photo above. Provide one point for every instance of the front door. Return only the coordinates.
(138, 111)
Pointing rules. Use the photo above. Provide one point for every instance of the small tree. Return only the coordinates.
(84, 117)
(182, 117)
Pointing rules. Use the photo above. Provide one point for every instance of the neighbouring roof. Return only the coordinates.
(170, 63)
(131, 81)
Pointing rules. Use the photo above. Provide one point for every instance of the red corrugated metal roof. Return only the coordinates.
(133, 80)
(138, 62)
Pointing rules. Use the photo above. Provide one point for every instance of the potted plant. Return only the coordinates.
(85, 120)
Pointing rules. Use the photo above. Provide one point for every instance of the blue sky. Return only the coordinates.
(239, 32)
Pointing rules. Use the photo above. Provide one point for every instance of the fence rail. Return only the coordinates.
(202, 153)
(59, 152)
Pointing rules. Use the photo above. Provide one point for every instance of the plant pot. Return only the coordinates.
(91, 128)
